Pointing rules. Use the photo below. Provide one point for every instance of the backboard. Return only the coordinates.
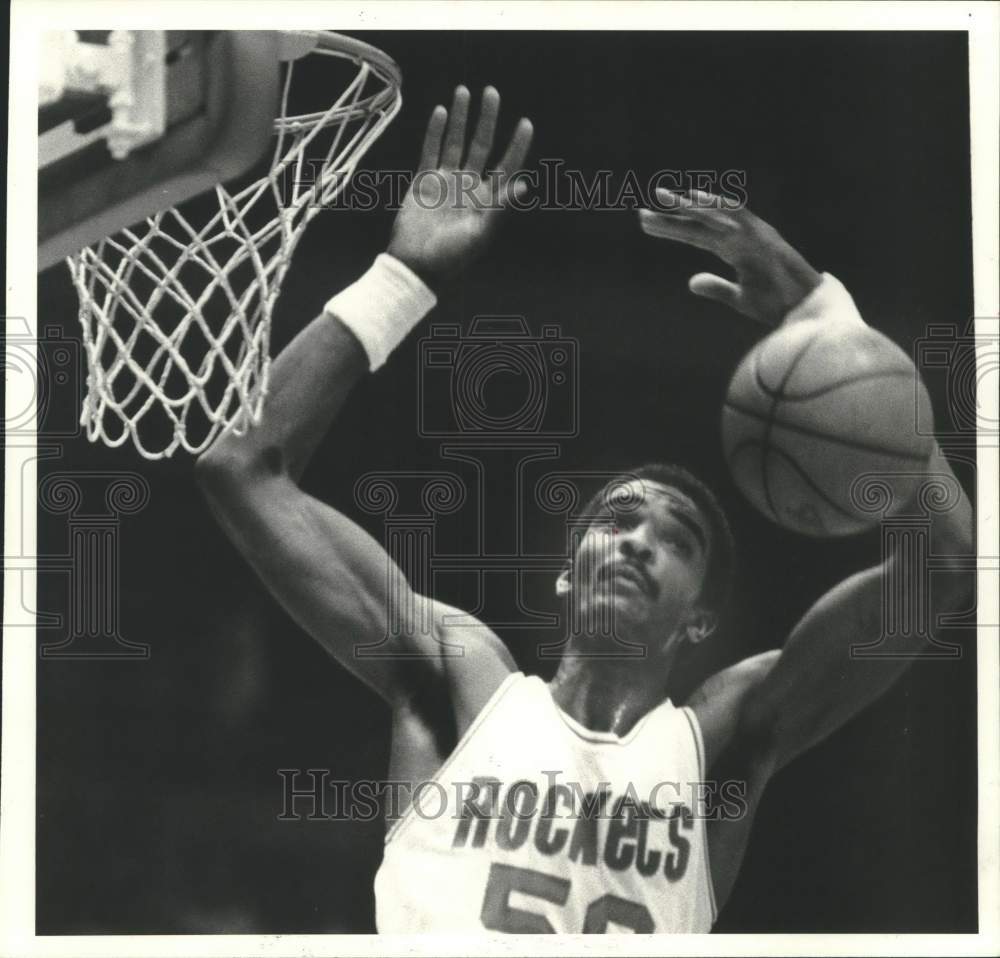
(133, 122)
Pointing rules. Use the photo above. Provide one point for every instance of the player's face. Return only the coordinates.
(649, 565)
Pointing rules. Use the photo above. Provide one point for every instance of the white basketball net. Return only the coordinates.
(162, 369)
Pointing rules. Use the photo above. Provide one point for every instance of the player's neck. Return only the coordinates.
(609, 696)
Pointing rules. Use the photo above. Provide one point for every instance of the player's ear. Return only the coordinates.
(562, 583)
(700, 625)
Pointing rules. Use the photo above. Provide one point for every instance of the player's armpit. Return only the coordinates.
(718, 701)
(341, 586)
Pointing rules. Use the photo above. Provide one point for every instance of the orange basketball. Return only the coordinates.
(815, 413)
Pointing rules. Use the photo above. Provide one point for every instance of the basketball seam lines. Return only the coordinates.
(805, 476)
(806, 431)
(852, 381)
(769, 422)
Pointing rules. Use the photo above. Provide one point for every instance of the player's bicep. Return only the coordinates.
(338, 583)
(817, 685)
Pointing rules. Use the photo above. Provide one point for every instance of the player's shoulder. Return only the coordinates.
(457, 630)
(717, 702)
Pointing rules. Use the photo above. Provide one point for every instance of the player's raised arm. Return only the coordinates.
(332, 577)
(757, 715)
(814, 685)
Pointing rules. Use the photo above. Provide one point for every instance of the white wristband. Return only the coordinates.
(829, 301)
(382, 307)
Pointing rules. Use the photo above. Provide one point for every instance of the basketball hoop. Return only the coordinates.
(176, 312)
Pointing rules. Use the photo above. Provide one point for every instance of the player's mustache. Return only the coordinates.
(631, 570)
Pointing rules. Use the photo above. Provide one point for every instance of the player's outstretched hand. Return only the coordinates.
(450, 211)
(771, 276)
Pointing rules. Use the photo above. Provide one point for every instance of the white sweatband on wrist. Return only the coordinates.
(382, 307)
(829, 301)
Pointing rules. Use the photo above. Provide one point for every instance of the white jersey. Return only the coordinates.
(537, 824)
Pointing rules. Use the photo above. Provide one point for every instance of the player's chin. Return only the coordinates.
(623, 609)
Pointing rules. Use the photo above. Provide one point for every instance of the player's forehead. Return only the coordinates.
(661, 497)
(653, 493)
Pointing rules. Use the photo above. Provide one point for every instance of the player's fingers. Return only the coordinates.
(677, 227)
(670, 201)
(705, 207)
(454, 138)
(430, 153)
(706, 201)
(727, 204)
(482, 139)
(517, 150)
(710, 286)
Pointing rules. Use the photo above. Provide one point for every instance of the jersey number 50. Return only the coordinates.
(498, 915)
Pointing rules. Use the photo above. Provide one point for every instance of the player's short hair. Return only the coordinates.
(719, 572)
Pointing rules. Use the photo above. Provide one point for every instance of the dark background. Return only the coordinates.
(157, 779)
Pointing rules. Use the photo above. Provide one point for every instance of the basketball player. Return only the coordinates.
(572, 806)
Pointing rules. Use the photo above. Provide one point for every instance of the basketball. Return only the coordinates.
(816, 407)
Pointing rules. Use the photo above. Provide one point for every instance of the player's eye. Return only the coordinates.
(624, 520)
(680, 544)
